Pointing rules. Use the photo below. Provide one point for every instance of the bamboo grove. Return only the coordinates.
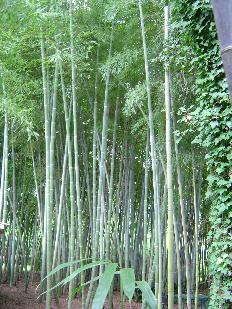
(98, 161)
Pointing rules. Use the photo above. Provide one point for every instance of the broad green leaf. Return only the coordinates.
(104, 286)
(148, 295)
(74, 274)
(128, 282)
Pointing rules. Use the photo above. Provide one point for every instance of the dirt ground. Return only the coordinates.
(16, 298)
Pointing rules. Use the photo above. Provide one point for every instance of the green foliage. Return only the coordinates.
(148, 295)
(211, 121)
(74, 274)
(135, 97)
(120, 63)
(104, 286)
(127, 276)
(61, 266)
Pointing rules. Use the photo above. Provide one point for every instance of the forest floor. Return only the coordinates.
(15, 298)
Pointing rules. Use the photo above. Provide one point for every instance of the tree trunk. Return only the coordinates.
(223, 16)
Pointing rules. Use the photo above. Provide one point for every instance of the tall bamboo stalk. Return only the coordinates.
(95, 148)
(169, 173)
(47, 184)
(71, 175)
(101, 165)
(146, 179)
(61, 201)
(183, 217)
(4, 171)
(51, 186)
(6, 146)
(109, 215)
(152, 147)
(76, 164)
(14, 209)
(196, 240)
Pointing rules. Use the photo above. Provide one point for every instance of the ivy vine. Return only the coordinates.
(212, 121)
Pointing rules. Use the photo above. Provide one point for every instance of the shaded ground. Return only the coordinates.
(16, 298)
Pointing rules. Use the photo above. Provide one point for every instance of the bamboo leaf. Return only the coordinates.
(80, 288)
(104, 286)
(128, 282)
(74, 274)
(148, 295)
(59, 267)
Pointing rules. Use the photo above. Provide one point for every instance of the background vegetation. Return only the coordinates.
(86, 88)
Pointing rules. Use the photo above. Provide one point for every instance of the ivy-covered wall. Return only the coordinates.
(212, 122)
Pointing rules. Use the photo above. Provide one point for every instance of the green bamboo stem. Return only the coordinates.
(76, 165)
(60, 207)
(146, 179)
(5, 210)
(94, 186)
(169, 173)
(71, 177)
(3, 174)
(37, 191)
(101, 167)
(47, 155)
(196, 236)
(153, 149)
(109, 215)
(51, 188)
(14, 206)
(178, 259)
(183, 212)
